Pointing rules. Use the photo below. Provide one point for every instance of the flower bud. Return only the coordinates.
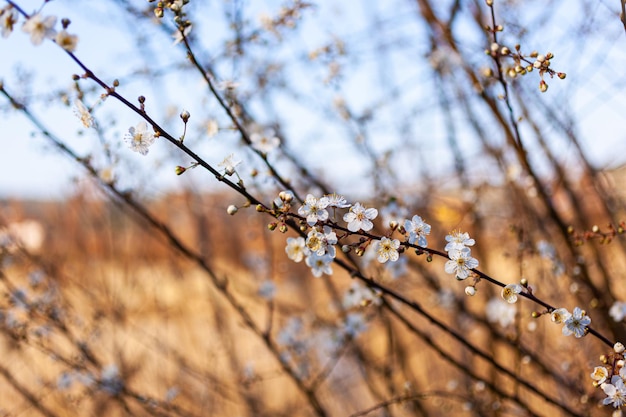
(180, 170)
(470, 290)
(286, 196)
(618, 347)
(232, 210)
(185, 116)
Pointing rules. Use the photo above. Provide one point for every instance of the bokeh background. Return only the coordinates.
(129, 290)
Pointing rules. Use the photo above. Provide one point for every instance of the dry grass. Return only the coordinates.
(181, 349)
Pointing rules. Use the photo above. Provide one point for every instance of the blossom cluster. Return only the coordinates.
(38, 27)
(318, 249)
(612, 379)
(575, 323)
(461, 262)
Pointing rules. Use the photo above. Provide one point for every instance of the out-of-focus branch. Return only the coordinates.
(622, 15)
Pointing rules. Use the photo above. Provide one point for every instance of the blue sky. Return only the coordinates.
(593, 89)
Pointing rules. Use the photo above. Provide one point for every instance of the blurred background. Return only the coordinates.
(129, 290)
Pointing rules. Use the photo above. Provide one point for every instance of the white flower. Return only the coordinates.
(296, 249)
(619, 347)
(229, 164)
(227, 85)
(65, 381)
(107, 175)
(28, 234)
(83, 114)
(40, 28)
(8, 19)
(398, 268)
(460, 263)
(335, 200)
(458, 240)
(360, 218)
(393, 212)
(322, 242)
(498, 311)
(577, 323)
(110, 380)
(418, 230)
(546, 250)
(288, 336)
(264, 143)
(559, 315)
(267, 290)
(66, 41)
(618, 310)
(315, 242)
(359, 295)
(177, 5)
(319, 264)
(178, 35)
(615, 391)
(330, 239)
(387, 250)
(509, 293)
(314, 210)
(599, 374)
(446, 298)
(212, 128)
(354, 324)
(139, 138)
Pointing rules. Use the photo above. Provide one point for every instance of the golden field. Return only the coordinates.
(104, 316)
